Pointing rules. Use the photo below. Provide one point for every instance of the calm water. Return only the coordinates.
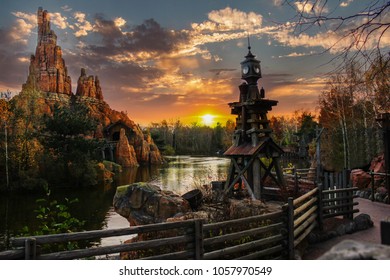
(95, 205)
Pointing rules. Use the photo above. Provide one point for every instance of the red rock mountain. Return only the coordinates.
(47, 70)
(89, 86)
(48, 76)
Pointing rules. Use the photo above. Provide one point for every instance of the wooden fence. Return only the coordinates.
(268, 236)
(337, 195)
(386, 178)
(302, 218)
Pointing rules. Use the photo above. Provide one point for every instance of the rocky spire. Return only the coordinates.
(47, 71)
(89, 86)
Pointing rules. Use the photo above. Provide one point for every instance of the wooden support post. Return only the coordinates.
(296, 182)
(30, 249)
(257, 179)
(111, 153)
(198, 235)
(279, 172)
(320, 210)
(290, 228)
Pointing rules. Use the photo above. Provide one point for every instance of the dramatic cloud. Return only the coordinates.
(142, 44)
(58, 20)
(334, 41)
(309, 7)
(83, 26)
(23, 26)
(233, 19)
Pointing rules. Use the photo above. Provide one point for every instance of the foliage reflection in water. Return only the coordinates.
(182, 174)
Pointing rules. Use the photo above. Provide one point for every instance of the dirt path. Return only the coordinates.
(377, 211)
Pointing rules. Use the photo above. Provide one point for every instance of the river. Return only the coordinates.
(182, 174)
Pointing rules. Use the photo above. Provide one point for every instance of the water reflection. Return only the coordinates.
(186, 173)
(183, 173)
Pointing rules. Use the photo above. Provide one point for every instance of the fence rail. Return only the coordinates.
(373, 174)
(271, 236)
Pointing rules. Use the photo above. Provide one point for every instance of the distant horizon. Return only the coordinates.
(177, 60)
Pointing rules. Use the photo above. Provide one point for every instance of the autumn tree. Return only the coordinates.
(348, 109)
(354, 36)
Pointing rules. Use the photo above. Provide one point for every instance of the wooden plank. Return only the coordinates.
(237, 235)
(198, 236)
(182, 255)
(94, 234)
(339, 190)
(263, 253)
(339, 198)
(305, 196)
(17, 254)
(305, 224)
(320, 210)
(290, 228)
(305, 233)
(247, 220)
(142, 245)
(243, 247)
(304, 206)
(240, 172)
(340, 206)
(330, 215)
(302, 218)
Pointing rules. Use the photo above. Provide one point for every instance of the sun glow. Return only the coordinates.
(208, 119)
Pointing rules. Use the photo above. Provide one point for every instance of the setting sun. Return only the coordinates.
(208, 119)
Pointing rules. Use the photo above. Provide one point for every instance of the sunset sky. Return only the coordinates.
(176, 59)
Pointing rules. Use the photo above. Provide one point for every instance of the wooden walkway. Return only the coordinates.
(377, 211)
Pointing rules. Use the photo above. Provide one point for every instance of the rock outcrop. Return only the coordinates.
(47, 71)
(89, 86)
(355, 250)
(360, 179)
(125, 154)
(49, 78)
(143, 203)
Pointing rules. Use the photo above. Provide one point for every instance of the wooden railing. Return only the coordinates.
(373, 174)
(246, 238)
(269, 236)
(302, 218)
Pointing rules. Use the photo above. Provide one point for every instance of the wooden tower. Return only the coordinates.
(254, 155)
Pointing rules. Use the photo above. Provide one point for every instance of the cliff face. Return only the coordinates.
(89, 86)
(48, 77)
(47, 71)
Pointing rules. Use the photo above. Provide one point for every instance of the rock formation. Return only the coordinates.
(356, 250)
(47, 71)
(143, 203)
(89, 86)
(125, 154)
(48, 75)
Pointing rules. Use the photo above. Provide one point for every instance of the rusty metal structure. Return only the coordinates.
(254, 155)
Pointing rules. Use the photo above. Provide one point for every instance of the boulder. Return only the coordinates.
(356, 250)
(143, 203)
(360, 179)
(362, 222)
